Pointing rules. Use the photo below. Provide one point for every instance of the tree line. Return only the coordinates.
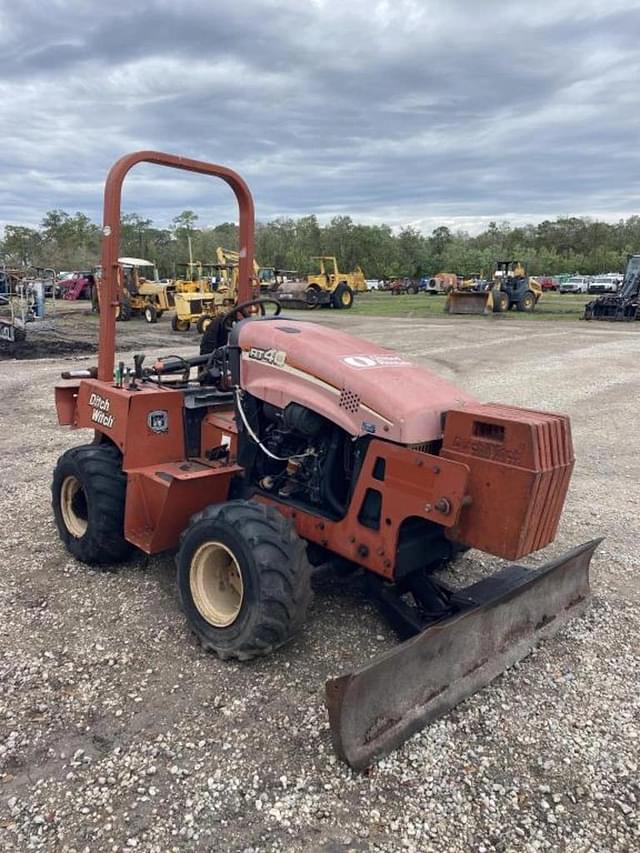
(565, 245)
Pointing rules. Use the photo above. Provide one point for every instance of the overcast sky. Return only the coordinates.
(408, 111)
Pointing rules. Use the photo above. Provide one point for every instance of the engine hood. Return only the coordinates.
(362, 387)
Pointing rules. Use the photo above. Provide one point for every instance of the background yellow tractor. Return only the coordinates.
(208, 296)
(329, 287)
(195, 293)
(141, 292)
(340, 286)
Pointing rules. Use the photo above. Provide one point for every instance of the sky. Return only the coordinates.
(409, 112)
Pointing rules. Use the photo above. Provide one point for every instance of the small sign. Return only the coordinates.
(158, 421)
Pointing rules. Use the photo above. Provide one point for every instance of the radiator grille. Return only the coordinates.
(427, 447)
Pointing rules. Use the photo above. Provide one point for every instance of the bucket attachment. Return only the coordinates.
(470, 302)
(497, 622)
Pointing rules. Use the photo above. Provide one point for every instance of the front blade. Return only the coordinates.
(470, 302)
(374, 710)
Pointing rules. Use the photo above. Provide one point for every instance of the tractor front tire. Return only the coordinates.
(342, 297)
(203, 323)
(150, 313)
(527, 302)
(180, 325)
(243, 578)
(500, 302)
(88, 496)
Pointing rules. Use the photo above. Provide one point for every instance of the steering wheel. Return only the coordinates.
(243, 310)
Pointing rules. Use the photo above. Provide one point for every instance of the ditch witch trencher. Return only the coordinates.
(286, 443)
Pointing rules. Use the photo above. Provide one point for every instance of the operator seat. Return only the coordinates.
(215, 336)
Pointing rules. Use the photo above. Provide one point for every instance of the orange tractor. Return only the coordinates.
(285, 444)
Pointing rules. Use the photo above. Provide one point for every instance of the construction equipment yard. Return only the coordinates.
(122, 733)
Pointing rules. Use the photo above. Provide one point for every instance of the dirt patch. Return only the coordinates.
(43, 348)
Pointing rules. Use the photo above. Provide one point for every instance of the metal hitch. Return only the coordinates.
(498, 622)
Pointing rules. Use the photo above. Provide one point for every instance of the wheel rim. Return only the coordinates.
(216, 584)
(73, 505)
(205, 324)
(148, 314)
(346, 298)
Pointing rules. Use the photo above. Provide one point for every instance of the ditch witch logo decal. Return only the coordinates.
(100, 411)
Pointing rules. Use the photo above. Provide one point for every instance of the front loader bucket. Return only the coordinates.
(470, 302)
(502, 617)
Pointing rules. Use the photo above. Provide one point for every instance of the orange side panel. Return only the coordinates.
(415, 484)
(520, 462)
(146, 424)
(162, 498)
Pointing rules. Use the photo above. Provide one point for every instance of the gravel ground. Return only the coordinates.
(117, 732)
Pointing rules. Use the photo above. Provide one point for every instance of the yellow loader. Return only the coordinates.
(509, 287)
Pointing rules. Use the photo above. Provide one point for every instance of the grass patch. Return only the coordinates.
(552, 306)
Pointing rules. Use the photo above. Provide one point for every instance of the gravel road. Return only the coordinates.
(117, 732)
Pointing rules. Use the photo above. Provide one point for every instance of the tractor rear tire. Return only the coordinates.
(527, 302)
(88, 496)
(150, 313)
(342, 297)
(123, 311)
(243, 578)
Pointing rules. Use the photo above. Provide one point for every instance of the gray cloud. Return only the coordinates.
(407, 111)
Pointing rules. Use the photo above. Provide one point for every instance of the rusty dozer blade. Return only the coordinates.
(470, 302)
(500, 620)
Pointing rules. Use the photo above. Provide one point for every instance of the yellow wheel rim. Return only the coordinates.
(346, 298)
(73, 505)
(216, 584)
(205, 324)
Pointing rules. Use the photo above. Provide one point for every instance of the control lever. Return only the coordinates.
(137, 362)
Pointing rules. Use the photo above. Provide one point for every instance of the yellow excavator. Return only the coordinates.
(509, 287)
(229, 259)
(268, 278)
